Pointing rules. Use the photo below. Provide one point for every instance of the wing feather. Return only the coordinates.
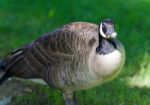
(53, 49)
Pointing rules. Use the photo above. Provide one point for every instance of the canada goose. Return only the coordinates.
(76, 56)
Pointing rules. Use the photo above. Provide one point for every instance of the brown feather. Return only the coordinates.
(63, 51)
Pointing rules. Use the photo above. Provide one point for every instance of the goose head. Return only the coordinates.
(107, 29)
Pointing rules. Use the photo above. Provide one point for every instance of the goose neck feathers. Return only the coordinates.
(106, 46)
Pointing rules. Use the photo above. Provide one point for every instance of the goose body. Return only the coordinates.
(73, 57)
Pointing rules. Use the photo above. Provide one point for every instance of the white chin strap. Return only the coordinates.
(101, 31)
(104, 35)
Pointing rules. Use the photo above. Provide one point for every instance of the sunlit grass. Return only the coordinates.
(142, 77)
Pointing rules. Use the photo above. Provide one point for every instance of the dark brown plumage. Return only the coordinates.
(60, 46)
(63, 58)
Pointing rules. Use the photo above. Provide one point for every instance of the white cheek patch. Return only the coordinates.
(101, 31)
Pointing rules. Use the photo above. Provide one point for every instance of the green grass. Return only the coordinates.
(22, 21)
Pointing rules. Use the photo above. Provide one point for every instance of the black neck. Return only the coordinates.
(106, 46)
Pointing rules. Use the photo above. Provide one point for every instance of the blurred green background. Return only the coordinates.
(22, 21)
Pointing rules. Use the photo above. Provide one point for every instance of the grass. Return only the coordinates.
(22, 21)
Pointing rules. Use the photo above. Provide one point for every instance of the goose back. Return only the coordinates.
(59, 57)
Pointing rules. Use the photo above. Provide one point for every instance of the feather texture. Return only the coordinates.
(60, 57)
